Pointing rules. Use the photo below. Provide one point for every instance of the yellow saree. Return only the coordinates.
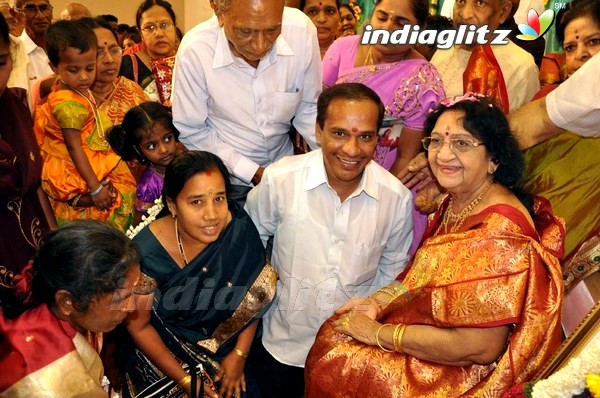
(564, 170)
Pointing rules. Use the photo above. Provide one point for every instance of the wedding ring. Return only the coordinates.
(345, 323)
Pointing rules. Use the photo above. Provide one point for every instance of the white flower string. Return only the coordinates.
(570, 380)
(146, 220)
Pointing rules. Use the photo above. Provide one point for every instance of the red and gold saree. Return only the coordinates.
(496, 270)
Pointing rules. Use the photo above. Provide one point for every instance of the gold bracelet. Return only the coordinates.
(240, 353)
(387, 290)
(398, 333)
(184, 382)
(377, 337)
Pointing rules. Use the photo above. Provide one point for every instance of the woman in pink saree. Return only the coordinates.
(406, 82)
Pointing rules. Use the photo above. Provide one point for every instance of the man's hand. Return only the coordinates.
(258, 176)
(417, 170)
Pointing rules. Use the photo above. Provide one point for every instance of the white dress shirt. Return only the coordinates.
(519, 71)
(575, 104)
(223, 105)
(39, 64)
(18, 75)
(326, 252)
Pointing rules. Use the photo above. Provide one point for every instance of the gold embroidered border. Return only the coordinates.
(260, 294)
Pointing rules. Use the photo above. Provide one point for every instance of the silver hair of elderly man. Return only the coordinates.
(222, 6)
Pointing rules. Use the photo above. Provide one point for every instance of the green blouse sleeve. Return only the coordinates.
(71, 114)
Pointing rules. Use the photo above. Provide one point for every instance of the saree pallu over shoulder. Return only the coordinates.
(491, 275)
(40, 350)
(257, 299)
(126, 95)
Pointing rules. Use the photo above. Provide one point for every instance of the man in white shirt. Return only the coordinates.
(342, 228)
(518, 66)
(18, 76)
(38, 16)
(239, 80)
(573, 106)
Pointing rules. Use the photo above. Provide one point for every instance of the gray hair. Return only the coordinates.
(221, 6)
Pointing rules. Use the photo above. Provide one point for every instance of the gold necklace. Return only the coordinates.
(371, 64)
(180, 245)
(369, 60)
(100, 99)
(459, 219)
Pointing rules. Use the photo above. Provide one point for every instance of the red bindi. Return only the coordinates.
(447, 133)
(354, 130)
(208, 173)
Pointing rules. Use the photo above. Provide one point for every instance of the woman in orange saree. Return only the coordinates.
(479, 308)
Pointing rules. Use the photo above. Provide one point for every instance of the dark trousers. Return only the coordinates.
(274, 378)
(238, 193)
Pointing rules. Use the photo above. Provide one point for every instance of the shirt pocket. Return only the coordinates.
(286, 105)
(366, 263)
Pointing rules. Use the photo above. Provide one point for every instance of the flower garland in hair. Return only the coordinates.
(146, 220)
(468, 96)
(356, 11)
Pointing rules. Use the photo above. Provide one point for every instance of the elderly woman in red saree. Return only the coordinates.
(80, 286)
(479, 308)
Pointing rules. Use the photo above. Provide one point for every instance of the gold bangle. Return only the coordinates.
(377, 337)
(398, 333)
(184, 382)
(240, 353)
(387, 290)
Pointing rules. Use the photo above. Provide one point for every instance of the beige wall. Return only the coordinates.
(188, 12)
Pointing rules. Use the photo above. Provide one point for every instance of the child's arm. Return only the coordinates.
(103, 200)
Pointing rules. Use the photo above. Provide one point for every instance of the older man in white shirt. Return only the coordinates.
(37, 16)
(342, 228)
(242, 79)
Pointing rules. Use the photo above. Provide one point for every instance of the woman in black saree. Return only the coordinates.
(205, 282)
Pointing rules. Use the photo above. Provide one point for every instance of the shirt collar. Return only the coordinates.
(318, 176)
(28, 43)
(224, 56)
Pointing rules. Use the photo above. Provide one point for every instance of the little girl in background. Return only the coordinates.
(84, 178)
(147, 135)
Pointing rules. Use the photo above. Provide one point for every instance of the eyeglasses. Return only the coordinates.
(455, 144)
(164, 26)
(114, 52)
(32, 9)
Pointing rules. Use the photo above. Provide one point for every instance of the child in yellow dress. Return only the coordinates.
(82, 175)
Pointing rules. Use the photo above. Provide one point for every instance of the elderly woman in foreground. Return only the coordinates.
(479, 307)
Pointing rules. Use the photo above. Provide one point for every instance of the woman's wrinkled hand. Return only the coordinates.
(358, 326)
(367, 305)
(231, 376)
